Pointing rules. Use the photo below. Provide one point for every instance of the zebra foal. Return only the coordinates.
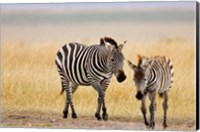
(92, 65)
(153, 75)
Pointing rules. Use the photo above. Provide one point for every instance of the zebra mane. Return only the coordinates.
(139, 59)
(144, 61)
(109, 40)
(102, 41)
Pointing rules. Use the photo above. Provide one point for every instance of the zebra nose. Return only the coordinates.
(139, 95)
(121, 77)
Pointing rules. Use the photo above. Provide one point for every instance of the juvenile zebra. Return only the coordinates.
(153, 75)
(92, 65)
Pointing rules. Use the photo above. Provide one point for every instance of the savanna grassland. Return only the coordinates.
(31, 88)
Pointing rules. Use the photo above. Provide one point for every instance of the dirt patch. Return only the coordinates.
(55, 120)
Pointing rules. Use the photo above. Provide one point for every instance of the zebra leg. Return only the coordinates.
(69, 91)
(100, 102)
(100, 91)
(104, 85)
(65, 112)
(74, 88)
(165, 107)
(97, 114)
(144, 110)
(104, 109)
(152, 108)
(65, 85)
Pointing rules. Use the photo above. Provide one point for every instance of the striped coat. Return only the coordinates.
(92, 65)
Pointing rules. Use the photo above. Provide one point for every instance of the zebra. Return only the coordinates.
(94, 66)
(153, 75)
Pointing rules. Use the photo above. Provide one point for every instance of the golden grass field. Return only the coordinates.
(30, 83)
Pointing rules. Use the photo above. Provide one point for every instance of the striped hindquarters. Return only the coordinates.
(70, 61)
(171, 70)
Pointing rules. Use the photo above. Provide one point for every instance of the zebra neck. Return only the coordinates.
(101, 58)
(105, 59)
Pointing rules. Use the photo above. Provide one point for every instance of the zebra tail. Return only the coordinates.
(62, 91)
(161, 95)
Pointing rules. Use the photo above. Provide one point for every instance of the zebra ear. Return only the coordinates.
(109, 46)
(102, 41)
(131, 65)
(120, 47)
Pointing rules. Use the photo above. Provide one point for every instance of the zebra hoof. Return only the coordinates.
(65, 114)
(74, 116)
(98, 116)
(105, 116)
(146, 123)
(152, 125)
(164, 126)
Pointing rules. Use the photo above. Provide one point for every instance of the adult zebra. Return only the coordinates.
(153, 75)
(92, 65)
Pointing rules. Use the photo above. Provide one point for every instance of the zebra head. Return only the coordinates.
(141, 74)
(115, 59)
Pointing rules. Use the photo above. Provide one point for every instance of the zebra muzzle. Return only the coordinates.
(121, 76)
(139, 95)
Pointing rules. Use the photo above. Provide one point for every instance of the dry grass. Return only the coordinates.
(31, 82)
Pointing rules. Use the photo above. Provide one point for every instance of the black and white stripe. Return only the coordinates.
(153, 75)
(92, 65)
(161, 71)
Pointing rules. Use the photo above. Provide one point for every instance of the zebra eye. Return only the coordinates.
(112, 60)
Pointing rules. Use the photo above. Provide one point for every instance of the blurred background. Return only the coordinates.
(138, 21)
